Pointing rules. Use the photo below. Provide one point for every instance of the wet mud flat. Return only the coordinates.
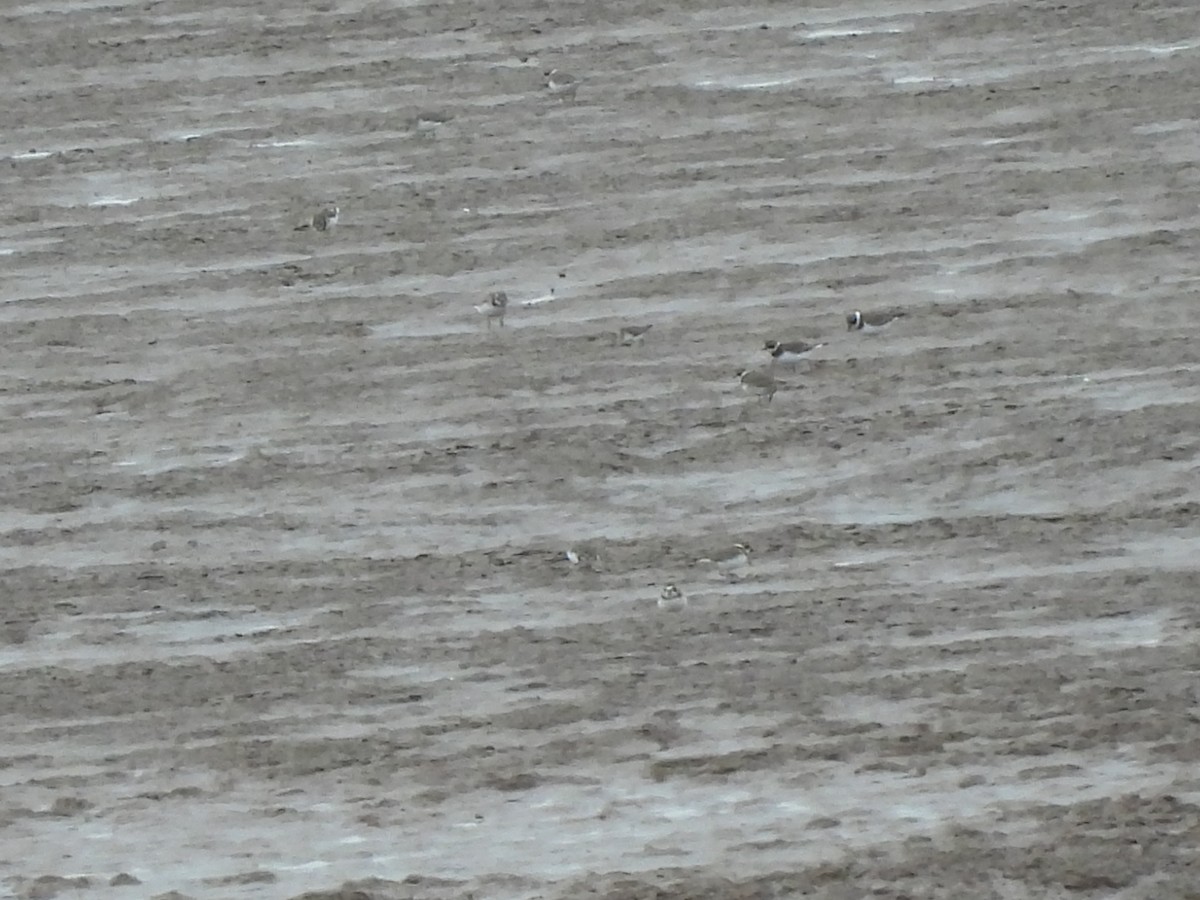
(286, 606)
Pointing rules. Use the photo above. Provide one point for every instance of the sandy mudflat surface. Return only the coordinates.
(286, 610)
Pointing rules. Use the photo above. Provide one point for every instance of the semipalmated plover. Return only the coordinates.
(560, 84)
(496, 306)
(632, 334)
(586, 557)
(870, 321)
(427, 121)
(322, 220)
(790, 351)
(759, 382)
(672, 598)
(728, 561)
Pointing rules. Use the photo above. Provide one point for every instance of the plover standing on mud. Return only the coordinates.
(759, 382)
(560, 84)
(586, 557)
(322, 220)
(728, 561)
(871, 321)
(428, 121)
(672, 598)
(790, 351)
(632, 334)
(496, 306)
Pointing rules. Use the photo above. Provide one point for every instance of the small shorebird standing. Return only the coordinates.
(586, 557)
(427, 121)
(790, 351)
(759, 382)
(560, 84)
(728, 561)
(322, 220)
(871, 321)
(496, 306)
(632, 334)
(672, 598)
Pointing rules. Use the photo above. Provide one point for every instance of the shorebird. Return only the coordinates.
(427, 121)
(322, 220)
(791, 351)
(497, 304)
(672, 598)
(871, 321)
(586, 557)
(728, 561)
(560, 84)
(760, 382)
(632, 334)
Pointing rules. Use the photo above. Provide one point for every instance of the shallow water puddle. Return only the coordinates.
(116, 638)
(1086, 634)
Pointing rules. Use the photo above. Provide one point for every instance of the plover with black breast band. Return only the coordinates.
(759, 382)
(322, 220)
(871, 321)
(560, 84)
(729, 560)
(790, 352)
(672, 598)
(494, 308)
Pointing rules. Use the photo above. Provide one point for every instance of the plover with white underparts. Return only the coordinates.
(494, 309)
(428, 121)
(321, 220)
(628, 335)
(729, 560)
(790, 351)
(759, 382)
(672, 598)
(560, 84)
(585, 557)
(871, 321)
